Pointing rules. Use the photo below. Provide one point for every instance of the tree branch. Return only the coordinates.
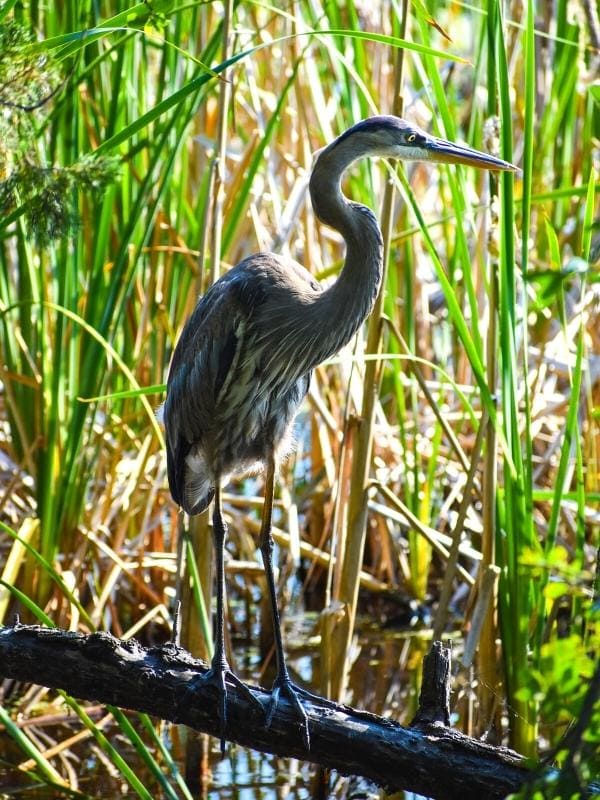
(429, 759)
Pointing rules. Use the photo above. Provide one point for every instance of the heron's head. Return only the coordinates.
(392, 137)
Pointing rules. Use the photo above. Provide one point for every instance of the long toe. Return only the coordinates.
(284, 687)
(217, 677)
(246, 691)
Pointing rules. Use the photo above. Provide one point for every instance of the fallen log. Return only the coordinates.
(428, 758)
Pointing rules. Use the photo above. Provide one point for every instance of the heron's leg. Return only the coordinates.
(219, 665)
(219, 534)
(283, 683)
(220, 671)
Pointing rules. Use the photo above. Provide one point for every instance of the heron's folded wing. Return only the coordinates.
(202, 365)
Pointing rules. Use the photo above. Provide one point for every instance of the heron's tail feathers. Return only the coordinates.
(199, 488)
(193, 506)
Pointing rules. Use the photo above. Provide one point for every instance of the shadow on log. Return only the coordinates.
(428, 758)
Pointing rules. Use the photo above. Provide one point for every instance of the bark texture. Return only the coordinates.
(428, 758)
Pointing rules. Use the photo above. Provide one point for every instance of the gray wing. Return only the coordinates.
(202, 360)
(242, 304)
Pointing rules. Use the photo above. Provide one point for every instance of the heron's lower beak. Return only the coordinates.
(448, 152)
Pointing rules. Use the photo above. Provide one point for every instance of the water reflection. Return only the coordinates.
(247, 775)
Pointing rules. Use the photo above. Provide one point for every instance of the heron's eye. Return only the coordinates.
(411, 138)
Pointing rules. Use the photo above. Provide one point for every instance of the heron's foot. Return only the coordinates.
(217, 677)
(284, 687)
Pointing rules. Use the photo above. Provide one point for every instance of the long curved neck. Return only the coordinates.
(341, 309)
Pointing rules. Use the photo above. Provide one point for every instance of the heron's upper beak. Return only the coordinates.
(448, 152)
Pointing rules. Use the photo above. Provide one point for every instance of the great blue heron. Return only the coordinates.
(243, 363)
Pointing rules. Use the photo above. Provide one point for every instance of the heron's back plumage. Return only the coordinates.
(228, 405)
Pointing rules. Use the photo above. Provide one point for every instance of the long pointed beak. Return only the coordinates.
(450, 153)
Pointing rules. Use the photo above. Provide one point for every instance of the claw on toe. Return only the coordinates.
(292, 693)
